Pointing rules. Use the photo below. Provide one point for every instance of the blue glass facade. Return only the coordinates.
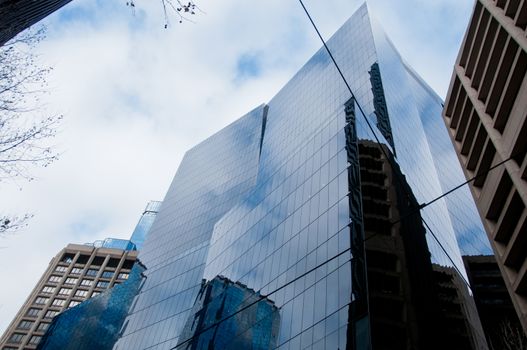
(145, 223)
(95, 323)
(113, 243)
(273, 201)
(248, 320)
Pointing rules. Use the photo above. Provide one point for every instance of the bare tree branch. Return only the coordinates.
(25, 135)
(182, 9)
(11, 224)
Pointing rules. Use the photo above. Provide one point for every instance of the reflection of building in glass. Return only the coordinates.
(76, 273)
(274, 202)
(17, 15)
(228, 315)
(144, 224)
(95, 323)
(408, 304)
(485, 112)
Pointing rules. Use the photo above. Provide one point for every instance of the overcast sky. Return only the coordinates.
(135, 96)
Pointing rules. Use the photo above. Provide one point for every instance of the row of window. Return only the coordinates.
(89, 273)
(73, 281)
(96, 261)
(25, 324)
(34, 312)
(17, 338)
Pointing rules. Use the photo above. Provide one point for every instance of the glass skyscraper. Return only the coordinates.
(297, 200)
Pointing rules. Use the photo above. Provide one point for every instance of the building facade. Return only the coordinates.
(17, 15)
(486, 115)
(94, 323)
(145, 223)
(274, 202)
(75, 274)
(498, 317)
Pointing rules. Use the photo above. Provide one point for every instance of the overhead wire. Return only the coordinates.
(389, 159)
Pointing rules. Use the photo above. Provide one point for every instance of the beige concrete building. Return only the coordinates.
(76, 273)
(486, 114)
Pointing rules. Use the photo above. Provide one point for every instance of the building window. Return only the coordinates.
(32, 312)
(76, 271)
(107, 274)
(103, 284)
(48, 290)
(35, 339)
(86, 283)
(42, 326)
(71, 280)
(97, 261)
(123, 276)
(58, 302)
(54, 279)
(51, 314)
(9, 348)
(67, 258)
(95, 293)
(41, 300)
(74, 303)
(25, 324)
(81, 293)
(128, 264)
(16, 338)
(61, 268)
(65, 291)
(92, 272)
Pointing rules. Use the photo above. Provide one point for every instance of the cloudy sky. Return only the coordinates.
(135, 96)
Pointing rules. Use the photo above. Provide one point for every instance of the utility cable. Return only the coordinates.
(264, 296)
(388, 158)
(424, 205)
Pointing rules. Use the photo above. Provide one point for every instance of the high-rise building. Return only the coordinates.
(76, 273)
(498, 317)
(94, 323)
(280, 202)
(486, 115)
(17, 15)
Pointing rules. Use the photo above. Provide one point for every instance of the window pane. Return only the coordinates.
(65, 291)
(107, 274)
(16, 338)
(33, 312)
(41, 300)
(48, 289)
(91, 272)
(25, 324)
(43, 326)
(58, 302)
(35, 339)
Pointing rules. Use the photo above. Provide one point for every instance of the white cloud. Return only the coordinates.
(136, 96)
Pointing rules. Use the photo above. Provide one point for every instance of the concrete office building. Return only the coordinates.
(486, 114)
(78, 272)
(494, 304)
